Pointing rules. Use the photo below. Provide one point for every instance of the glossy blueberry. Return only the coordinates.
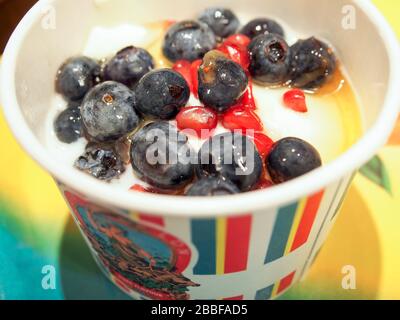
(261, 26)
(161, 93)
(128, 66)
(269, 59)
(233, 157)
(76, 77)
(291, 158)
(188, 40)
(108, 111)
(212, 186)
(68, 124)
(101, 161)
(312, 63)
(222, 81)
(222, 21)
(161, 156)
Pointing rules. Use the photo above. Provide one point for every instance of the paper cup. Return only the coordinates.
(248, 246)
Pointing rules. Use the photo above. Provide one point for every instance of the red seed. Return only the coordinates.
(241, 118)
(184, 68)
(263, 143)
(140, 188)
(239, 39)
(248, 98)
(295, 99)
(264, 184)
(265, 180)
(194, 71)
(200, 119)
(169, 23)
(236, 52)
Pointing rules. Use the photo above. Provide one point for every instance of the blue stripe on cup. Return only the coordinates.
(280, 233)
(204, 239)
(265, 294)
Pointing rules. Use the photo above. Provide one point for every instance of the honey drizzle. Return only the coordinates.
(339, 89)
(155, 48)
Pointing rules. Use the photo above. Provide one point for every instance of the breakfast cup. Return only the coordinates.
(254, 245)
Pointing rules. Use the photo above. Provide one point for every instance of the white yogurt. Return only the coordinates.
(104, 42)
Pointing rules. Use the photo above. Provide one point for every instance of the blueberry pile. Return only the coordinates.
(125, 101)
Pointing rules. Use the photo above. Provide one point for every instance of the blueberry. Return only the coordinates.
(269, 59)
(222, 21)
(291, 158)
(68, 124)
(160, 94)
(188, 40)
(261, 26)
(161, 156)
(222, 81)
(233, 157)
(76, 77)
(212, 186)
(108, 111)
(128, 66)
(312, 63)
(101, 161)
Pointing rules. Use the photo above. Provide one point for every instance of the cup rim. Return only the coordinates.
(180, 206)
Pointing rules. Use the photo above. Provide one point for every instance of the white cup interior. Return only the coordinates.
(363, 50)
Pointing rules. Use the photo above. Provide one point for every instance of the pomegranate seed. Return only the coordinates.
(295, 99)
(184, 68)
(200, 119)
(236, 52)
(190, 72)
(264, 184)
(241, 118)
(140, 188)
(263, 143)
(169, 23)
(194, 71)
(248, 98)
(239, 39)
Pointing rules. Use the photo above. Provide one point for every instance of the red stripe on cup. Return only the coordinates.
(152, 219)
(234, 298)
(286, 282)
(307, 220)
(237, 243)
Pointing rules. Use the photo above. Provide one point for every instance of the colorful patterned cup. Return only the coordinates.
(248, 246)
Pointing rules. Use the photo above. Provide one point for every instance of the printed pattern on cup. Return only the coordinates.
(223, 243)
(293, 226)
(137, 257)
(253, 256)
(276, 289)
(271, 291)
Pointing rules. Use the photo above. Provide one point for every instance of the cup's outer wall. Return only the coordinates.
(257, 255)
